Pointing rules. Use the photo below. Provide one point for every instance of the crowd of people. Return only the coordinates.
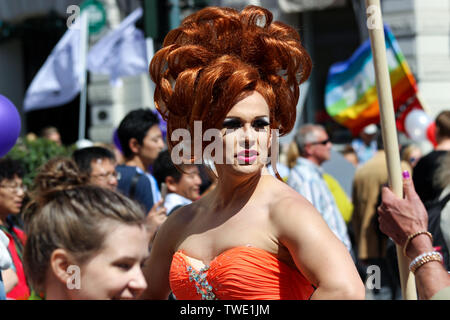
(224, 226)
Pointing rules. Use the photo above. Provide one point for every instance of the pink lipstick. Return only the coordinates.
(247, 156)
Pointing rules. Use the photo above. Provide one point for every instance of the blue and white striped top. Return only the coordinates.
(306, 178)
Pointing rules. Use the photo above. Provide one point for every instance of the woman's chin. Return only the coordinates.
(247, 168)
(240, 168)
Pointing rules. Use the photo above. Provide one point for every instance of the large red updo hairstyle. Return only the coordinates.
(218, 54)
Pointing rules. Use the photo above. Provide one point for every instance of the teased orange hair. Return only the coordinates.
(218, 54)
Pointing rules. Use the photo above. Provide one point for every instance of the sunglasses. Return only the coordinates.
(324, 142)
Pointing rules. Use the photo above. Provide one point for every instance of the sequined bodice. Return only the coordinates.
(244, 273)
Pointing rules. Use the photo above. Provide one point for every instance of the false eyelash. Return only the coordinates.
(260, 123)
(232, 124)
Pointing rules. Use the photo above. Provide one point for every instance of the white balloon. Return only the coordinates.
(416, 124)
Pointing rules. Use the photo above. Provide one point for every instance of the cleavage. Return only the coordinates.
(199, 265)
(196, 263)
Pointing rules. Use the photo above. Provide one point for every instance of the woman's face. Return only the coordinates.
(12, 192)
(246, 135)
(115, 271)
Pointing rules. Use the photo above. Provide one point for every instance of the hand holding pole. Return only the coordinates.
(388, 127)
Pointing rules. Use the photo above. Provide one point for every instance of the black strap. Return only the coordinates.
(133, 184)
(175, 208)
(445, 200)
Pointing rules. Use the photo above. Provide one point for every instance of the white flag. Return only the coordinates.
(122, 52)
(61, 77)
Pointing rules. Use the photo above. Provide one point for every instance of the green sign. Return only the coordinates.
(96, 15)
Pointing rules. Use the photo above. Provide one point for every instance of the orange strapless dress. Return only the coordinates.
(240, 273)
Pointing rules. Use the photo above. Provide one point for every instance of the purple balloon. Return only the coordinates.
(117, 141)
(9, 125)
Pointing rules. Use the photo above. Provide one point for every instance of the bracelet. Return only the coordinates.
(412, 236)
(424, 258)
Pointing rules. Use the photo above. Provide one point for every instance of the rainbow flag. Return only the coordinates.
(350, 92)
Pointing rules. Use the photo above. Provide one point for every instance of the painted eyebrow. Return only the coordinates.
(265, 118)
(239, 118)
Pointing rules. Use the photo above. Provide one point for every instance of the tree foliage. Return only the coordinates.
(33, 153)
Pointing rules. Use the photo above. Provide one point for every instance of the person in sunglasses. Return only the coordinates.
(306, 177)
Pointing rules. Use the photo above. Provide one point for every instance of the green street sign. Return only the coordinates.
(96, 15)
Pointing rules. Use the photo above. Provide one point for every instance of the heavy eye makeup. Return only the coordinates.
(258, 123)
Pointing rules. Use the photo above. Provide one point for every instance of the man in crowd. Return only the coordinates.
(306, 177)
(183, 188)
(365, 145)
(141, 141)
(372, 245)
(424, 171)
(51, 133)
(99, 165)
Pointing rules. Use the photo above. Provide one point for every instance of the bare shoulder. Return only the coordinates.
(285, 200)
(176, 221)
(180, 217)
(290, 212)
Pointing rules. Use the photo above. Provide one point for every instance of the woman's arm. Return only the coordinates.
(10, 279)
(318, 253)
(432, 276)
(400, 218)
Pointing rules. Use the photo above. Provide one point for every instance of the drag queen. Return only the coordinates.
(252, 237)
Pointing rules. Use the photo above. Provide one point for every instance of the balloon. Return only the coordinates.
(431, 133)
(117, 141)
(416, 124)
(9, 125)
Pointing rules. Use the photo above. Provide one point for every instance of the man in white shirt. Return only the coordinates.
(306, 177)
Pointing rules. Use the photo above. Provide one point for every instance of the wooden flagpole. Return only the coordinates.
(388, 127)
